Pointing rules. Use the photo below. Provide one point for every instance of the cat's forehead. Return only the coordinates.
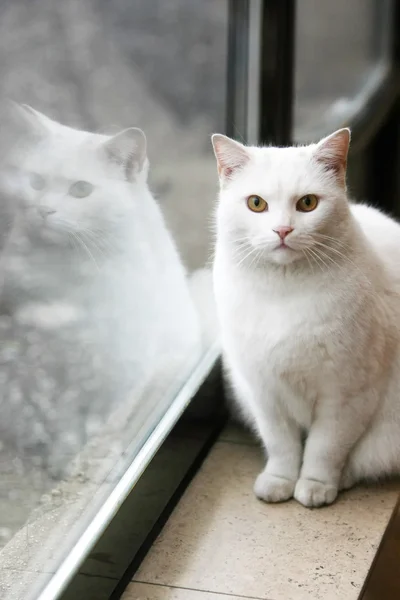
(65, 154)
(277, 171)
(274, 159)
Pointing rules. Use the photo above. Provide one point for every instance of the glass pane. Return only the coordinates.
(342, 55)
(103, 279)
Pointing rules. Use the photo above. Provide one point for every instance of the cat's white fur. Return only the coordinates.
(310, 332)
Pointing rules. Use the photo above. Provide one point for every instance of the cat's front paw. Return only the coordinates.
(312, 493)
(271, 488)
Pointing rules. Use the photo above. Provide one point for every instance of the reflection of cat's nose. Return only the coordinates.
(283, 231)
(45, 211)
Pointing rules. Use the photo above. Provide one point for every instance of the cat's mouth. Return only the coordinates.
(283, 246)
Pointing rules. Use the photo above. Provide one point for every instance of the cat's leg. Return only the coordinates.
(337, 426)
(281, 437)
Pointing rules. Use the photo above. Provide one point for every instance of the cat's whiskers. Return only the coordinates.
(323, 255)
(305, 252)
(311, 242)
(310, 238)
(307, 247)
(332, 244)
(87, 250)
(331, 239)
(76, 244)
(240, 257)
(346, 259)
(241, 242)
(246, 256)
(345, 271)
(102, 236)
(241, 248)
(95, 249)
(318, 260)
(257, 259)
(93, 241)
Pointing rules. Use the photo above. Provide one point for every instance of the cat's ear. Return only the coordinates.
(127, 149)
(231, 156)
(332, 151)
(37, 118)
(28, 123)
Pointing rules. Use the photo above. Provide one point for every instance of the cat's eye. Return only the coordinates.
(307, 203)
(36, 181)
(81, 189)
(257, 204)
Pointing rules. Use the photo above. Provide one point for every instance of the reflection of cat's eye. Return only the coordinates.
(36, 181)
(307, 203)
(257, 204)
(81, 189)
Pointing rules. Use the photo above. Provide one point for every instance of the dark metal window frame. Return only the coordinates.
(112, 562)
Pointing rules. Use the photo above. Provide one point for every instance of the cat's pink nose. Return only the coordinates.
(283, 231)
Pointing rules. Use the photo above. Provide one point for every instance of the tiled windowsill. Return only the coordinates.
(221, 542)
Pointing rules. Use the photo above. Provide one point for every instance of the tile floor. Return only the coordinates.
(222, 543)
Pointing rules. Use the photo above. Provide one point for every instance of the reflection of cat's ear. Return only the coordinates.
(37, 117)
(231, 156)
(128, 150)
(28, 122)
(34, 121)
(332, 151)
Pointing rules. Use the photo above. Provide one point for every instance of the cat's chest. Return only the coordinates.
(273, 325)
(282, 328)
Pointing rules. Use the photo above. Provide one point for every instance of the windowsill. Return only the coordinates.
(221, 542)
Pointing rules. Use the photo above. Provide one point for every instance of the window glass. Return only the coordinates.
(106, 185)
(342, 55)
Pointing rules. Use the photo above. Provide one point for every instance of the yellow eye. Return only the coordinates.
(307, 203)
(257, 204)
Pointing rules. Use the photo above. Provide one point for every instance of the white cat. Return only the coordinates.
(308, 295)
(95, 293)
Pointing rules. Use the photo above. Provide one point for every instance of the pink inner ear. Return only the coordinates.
(231, 156)
(332, 164)
(332, 152)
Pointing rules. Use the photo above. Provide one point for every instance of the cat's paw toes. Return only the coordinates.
(312, 493)
(271, 488)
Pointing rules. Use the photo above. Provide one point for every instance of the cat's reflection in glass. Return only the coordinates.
(96, 317)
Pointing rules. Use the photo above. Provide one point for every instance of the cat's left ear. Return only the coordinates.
(127, 149)
(37, 118)
(332, 152)
(29, 123)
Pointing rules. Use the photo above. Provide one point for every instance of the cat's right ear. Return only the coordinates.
(231, 156)
(127, 150)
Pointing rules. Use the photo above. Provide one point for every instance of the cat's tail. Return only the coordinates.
(201, 288)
